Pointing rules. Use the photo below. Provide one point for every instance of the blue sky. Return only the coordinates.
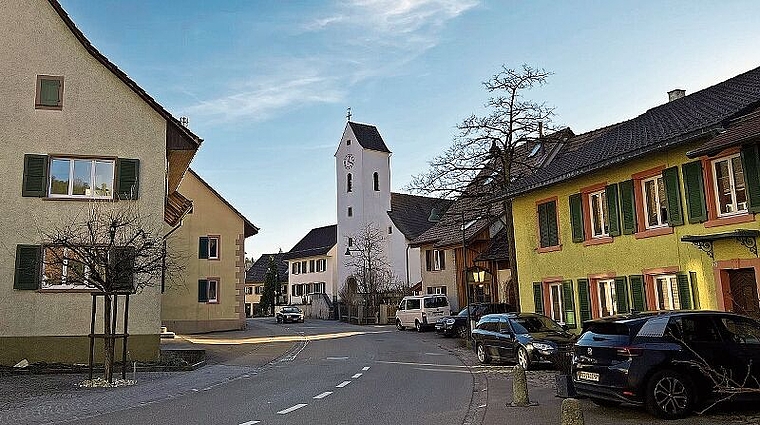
(267, 83)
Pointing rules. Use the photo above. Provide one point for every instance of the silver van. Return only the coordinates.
(421, 311)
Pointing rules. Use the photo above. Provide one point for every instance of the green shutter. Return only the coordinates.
(694, 290)
(28, 271)
(202, 290)
(638, 298)
(538, 297)
(576, 217)
(584, 301)
(613, 213)
(694, 184)
(543, 228)
(442, 255)
(128, 179)
(50, 92)
(35, 176)
(673, 196)
(551, 223)
(122, 265)
(621, 294)
(569, 302)
(751, 167)
(684, 290)
(203, 247)
(428, 260)
(627, 207)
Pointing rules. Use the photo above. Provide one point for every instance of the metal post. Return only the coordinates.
(92, 333)
(112, 337)
(464, 278)
(124, 340)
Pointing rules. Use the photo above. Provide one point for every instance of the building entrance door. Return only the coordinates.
(744, 298)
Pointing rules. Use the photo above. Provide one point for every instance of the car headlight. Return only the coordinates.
(450, 321)
(542, 347)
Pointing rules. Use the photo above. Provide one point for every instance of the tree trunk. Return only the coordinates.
(513, 286)
(108, 341)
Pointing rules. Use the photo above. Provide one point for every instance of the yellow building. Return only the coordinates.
(209, 296)
(657, 212)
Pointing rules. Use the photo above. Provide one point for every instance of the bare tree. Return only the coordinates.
(111, 249)
(372, 273)
(492, 151)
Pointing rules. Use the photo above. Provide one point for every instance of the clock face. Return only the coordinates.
(348, 161)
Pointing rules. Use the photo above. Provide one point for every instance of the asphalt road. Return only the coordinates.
(340, 374)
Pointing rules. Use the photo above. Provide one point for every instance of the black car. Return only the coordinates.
(289, 314)
(668, 361)
(457, 325)
(526, 338)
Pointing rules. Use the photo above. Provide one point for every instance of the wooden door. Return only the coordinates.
(744, 297)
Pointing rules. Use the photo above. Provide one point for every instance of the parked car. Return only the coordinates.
(421, 311)
(289, 313)
(667, 361)
(525, 338)
(457, 325)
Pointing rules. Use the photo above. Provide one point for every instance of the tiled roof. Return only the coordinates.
(176, 206)
(498, 250)
(744, 129)
(368, 136)
(248, 228)
(679, 121)
(257, 272)
(318, 241)
(410, 213)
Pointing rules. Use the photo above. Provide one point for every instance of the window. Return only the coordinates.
(349, 183)
(49, 92)
(547, 224)
(741, 331)
(62, 269)
(259, 289)
(318, 287)
(303, 266)
(436, 290)
(208, 247)
(295, 268)
(598, 213)
(607, 299)
(655, 202)
(413, 304)
(555, 301)
(284, 289)
(350, 242)
(730, 190)
(321, 265)
(435, 259)
(312, 266)
(213, 287)
(390, 230)
(666, 292)
(348, 142)
(86, 178)
(376, 182)
(350, 212)
(249, 290)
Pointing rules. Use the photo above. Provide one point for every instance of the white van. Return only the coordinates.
(421, 311)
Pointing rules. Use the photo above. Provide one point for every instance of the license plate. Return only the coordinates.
(437, 313)
(588, 376)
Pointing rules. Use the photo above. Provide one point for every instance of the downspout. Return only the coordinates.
(407, 265)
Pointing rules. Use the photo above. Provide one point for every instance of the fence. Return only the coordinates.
(367, 315)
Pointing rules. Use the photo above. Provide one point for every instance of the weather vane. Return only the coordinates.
(348, 113)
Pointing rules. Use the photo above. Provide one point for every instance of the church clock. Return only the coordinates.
(348, 161)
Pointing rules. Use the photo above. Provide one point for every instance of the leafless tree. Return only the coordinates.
(492, 151)
(371, 271)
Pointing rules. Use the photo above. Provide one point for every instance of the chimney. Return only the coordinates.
(676, 94)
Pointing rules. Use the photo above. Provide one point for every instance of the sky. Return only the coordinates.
(266, 84)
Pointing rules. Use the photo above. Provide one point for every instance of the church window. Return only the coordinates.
(350, 212)
(348, 142)
(349, 183)
(376, 182)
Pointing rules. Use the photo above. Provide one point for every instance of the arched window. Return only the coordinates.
(349, 183)
(376, 182)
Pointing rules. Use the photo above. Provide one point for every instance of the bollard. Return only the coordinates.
(520, 388)
(571, 412)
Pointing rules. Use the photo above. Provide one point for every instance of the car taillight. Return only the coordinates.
(628, 351)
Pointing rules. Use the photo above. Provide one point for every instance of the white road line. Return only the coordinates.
(356, 375)
(323, 395)
(337, 358)
(433, 354)
(342, 384)
(365, 368)
(250, 423)
(290, 409)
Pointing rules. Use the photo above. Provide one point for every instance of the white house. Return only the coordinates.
(311, 264)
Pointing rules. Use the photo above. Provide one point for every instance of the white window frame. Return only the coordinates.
(735, 208)
(437, 290)
(601, 214)
(215, 283)
(658, 202)
(249, 290)
(70, 190)
(559, 298)
(321, 265)
(216, 239)
(258, 289)
(437, 253)
(671, 298)
(608, 287)
(45, 283)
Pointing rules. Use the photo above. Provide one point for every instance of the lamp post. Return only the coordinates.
(464, 278)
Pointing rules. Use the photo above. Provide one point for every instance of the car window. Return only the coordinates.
(436, 302)
(489, 324)
(742, 331)
(402, 305)
(518, 328)
(413, 304)
(290, 309)
(463, 313)
(504, 325)
(693, 329)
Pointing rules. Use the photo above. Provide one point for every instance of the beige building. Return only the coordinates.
(72, 120)
(209, 296)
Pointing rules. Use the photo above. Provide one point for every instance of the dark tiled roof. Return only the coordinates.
(679, 121)
(249, 228)
(318, 241)
(175, 207)
(368, 136)
(497, 250)
(257, 272)
(410, 213)
(744, 129)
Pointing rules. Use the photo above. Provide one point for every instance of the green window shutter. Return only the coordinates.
(28, 267)
(576, 217)
(569, 302)
(428, 260)
(621, 293)
(203, 248)
(551, 223)
(751, 167)
(694, 184)
(613, 213)
(627, 207)
(122, 265)
(543, 230)
(673, 196)
(638, 299)
(684, 290)
(202, 290)
(538, 297)
(35, 176)
(584, 301)
(694, 290)
(50, 92)
(442, 255)
(128, 178)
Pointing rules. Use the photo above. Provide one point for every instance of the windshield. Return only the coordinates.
(291, 310)
(531, 324)
(463, 313)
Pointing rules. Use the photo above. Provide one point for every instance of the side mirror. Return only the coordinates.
(565, 327)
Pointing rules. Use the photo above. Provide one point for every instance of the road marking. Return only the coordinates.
(342, 384)
(290, 409)
(337, 358)
(356, 375)
(420, 364)
(323, 395)
(365, 368)
(250, 423)
(433, 354)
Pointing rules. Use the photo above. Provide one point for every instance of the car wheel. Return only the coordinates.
(482, 355)
(462, 332)
(605, 403)
(279, 320)
(670, 395)
(523, 359)
(418, 326)
(399, 326)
